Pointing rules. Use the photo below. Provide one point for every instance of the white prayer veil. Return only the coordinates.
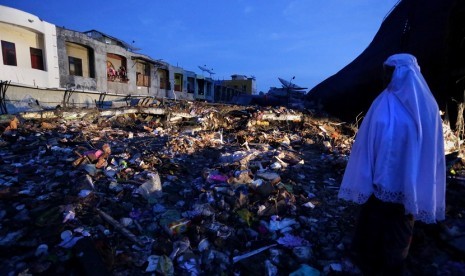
(398, 153)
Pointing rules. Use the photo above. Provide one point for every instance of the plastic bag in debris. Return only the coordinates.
(276, 224)
(221, 230)
(273, 177)
(110, 171)
(151, 187)
(69, 239)
(213, 176)
(291, 241)
(233, 157)
(276, 166)
(309, 205)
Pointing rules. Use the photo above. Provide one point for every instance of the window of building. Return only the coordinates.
(116, 68)
(163, 84)
(75, 66)
(147, 75)
(143, 74)
(201, 86)
(190, 85)
(163, 79)
(37, 60)
(209, 89)
(85, 54)
(177, 82)
(9, 53)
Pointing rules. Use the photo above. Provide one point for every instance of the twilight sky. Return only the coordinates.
(308, 39)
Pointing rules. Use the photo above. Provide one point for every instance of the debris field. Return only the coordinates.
(189, 188)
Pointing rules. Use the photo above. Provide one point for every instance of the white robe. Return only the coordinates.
(398, 153)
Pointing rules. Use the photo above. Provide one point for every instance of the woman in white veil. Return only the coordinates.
(396, 169)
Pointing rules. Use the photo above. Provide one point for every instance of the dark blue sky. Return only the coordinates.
(308, 39)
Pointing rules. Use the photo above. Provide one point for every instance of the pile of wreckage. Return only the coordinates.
(184, 188)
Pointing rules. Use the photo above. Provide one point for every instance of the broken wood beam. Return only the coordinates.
(281, 117)
(119, 227)
(49, 114)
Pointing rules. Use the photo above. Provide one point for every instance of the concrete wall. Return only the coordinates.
(22, 98)
(26, 30)
(249, 84)
(81, 52)
(179, 90)
(190, 84)
(84, 83)
(209, 90)
(102, 53)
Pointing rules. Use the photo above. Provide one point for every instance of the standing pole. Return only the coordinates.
(289, 92)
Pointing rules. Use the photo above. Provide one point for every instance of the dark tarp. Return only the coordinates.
(431, 30)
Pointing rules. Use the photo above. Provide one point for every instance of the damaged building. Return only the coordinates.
(52, 65)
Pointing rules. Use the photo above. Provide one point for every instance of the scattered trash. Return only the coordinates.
(151, 187)
(200, 190)
(291, 241)
(281, 224)
(68, 239)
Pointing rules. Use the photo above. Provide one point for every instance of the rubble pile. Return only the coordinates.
(192, 189)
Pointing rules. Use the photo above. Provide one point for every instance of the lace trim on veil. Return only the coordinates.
(411, 207)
